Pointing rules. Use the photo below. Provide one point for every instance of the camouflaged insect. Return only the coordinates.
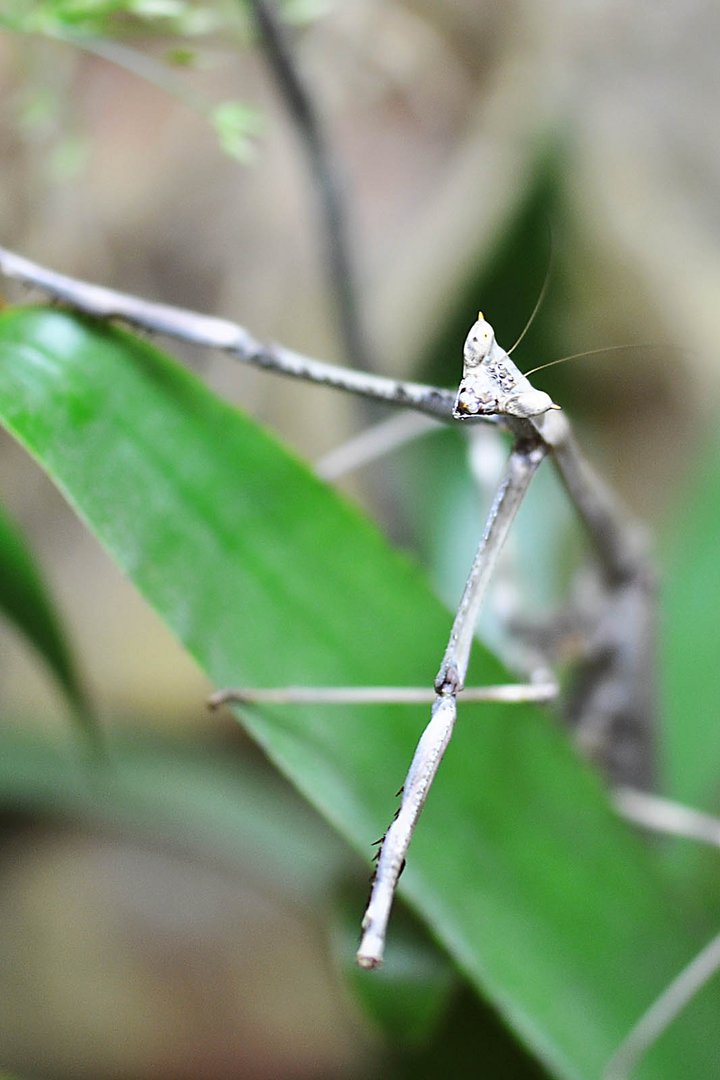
(491, 384)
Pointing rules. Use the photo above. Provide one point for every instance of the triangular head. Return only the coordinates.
(491, 384)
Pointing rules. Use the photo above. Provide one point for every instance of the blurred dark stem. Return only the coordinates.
(323, 165)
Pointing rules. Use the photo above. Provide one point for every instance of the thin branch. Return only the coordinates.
(231, 338)
(301, 109)
(508, 694)
(663, 1011)
(523, 463)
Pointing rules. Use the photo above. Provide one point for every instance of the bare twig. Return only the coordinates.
(298, 100)
(213, 333)
(524, 461)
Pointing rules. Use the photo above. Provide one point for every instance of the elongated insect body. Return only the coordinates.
(621, 632)
(492, 384)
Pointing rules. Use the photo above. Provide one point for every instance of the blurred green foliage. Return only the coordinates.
(26, 602)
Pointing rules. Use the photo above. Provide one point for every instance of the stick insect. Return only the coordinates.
(492, 391)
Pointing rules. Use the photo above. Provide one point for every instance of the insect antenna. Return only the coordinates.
(543, 290)
(597, 352)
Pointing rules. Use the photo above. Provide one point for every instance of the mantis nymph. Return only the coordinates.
(492, 391)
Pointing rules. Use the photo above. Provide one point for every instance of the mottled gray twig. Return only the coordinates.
(214, 333)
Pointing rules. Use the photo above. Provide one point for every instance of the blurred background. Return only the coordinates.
(482, 147)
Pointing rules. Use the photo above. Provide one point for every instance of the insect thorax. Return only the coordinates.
(491, 383)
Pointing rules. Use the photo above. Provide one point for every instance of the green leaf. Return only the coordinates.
(691, 582)
(26, 602)
(107, 17)
(236, 126)
(210, 803)
(548, 904)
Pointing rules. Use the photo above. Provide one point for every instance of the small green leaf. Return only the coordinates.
(181, 57)
(237, 125)
(69, 158)
(304, 12)
(107, 18)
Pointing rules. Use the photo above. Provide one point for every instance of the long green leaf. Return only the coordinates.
(26, 602)
(183, 795)
(549, 905)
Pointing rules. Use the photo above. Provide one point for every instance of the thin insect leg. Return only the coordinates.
(539, 302)
(393, 849)
(524, 460)
(509, 693)
(373, 443)
(486, 459)
(666, 816)
(617, 712)
(229, 337)
(620, 544)
(522, 465)
(663, 1011)
(645, 346)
